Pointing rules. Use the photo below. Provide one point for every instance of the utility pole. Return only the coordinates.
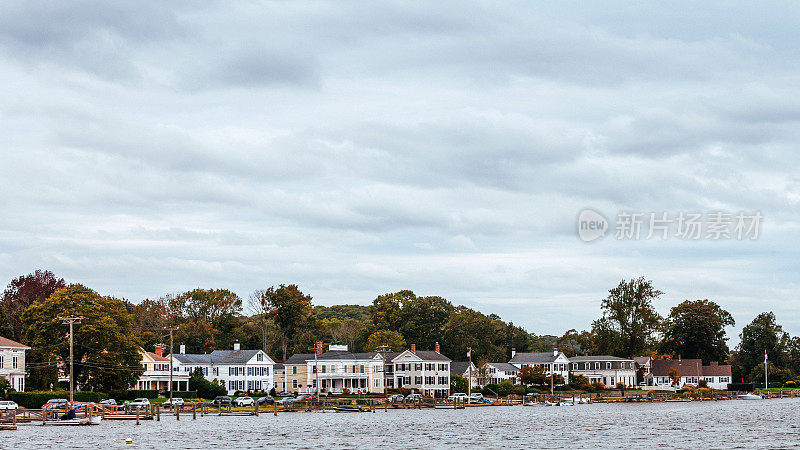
(71, 320)
(316, 368)
(469, 372)
(171, 357)
(766, 372)
(382, 349)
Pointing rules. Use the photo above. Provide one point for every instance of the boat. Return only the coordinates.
(750, 396)
(83, 421)
(348, 409)
(444, 406)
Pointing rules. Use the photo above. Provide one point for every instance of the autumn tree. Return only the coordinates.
(696, 329)
(206, 318)
(149, 318)
(106, 351)
(532, 376)
(386, 310)
(291, 311)
(23, 292)
(629, 316)
(391, 339)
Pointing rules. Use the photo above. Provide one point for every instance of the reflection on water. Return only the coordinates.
(724, 424)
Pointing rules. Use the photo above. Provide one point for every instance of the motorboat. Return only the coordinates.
(750, 396)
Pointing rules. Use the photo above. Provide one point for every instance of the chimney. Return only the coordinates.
(555, 352)
(318, 348)
(513, 351)
(586, 354)
(237, 346)
(158, 349)
(183, 349)
(413, 348)
(679, 357)
(437, 347)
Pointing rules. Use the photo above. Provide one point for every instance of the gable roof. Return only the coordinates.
(717, 370)
(460, 367)
(220, 357)
(539, 357)
(504, 366)
(597, 358)
(424, 355)
(686, 367)
(155, 357)
(641, 360)
(8, 343)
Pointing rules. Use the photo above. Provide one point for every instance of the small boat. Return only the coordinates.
(348, 409)
(444, 406)
(84, 421)
(750, 396)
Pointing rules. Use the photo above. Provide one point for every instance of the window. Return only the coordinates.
(324, 367)
(574, 366)
(259, 357)
(443, 380)
(443, 367)
(294, 384)
(597, 366)
(377, 383)
(418, 366)
(417, 380)
(361, 367)
(266, 371)
(294, 370)
(313, 369)
(608, 365)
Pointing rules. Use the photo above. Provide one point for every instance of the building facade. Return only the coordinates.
(12, 363)
(499, 372)
(689, 371)
(338, 370)
(609, 370)
(552, 362)
(425, 371)
(156, 373)
(236, 370)
(467, 370)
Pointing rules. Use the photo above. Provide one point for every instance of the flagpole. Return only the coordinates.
(766, 372)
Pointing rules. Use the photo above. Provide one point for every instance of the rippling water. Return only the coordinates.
(724, 424)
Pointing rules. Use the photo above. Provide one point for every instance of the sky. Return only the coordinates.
(360, 148)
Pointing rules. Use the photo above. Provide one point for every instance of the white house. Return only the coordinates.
(689, 371)
(499, 372)
(552, 362)
(12, 363)
(156, 373)
(608, 370)
(237, 369)
(423, 370)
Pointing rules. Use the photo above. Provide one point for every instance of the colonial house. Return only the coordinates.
(156, 373)
(12, 363)
(499, 372)
(609, 370)
(689, 371)
(426, 371)
(237, 369)
(644, 373)
(552, 362)
(467, 370)
(336, 370)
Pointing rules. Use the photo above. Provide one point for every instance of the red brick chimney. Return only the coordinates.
(158, 350)
(437, 348)
(413, 348)
(318, 348)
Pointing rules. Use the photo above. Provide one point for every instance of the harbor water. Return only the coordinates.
(720, 424)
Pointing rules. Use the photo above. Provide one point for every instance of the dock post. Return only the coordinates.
(275, 404)
(255, 408)
(44, 416)
(158, 413)
(103, 412)
(90, 411)
(194, 411)
(177, 412)
(137, 416)
(386, 405)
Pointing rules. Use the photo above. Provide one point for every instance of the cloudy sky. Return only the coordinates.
(358, 148)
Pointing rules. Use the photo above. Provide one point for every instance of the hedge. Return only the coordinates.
(36, 399)
(183, 394)
(740, 387)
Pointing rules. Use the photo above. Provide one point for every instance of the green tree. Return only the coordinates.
(763, 333)
(386, 310)
(629, 311)
(291, 311)
(423, 320)
(21, 293)
(505, 388)
(205, 389)
(391, 339)
(149, 317)
(606, 339)
(458, 383)
(696, 329)
(106, 350)
(574, 343)
(206, 318)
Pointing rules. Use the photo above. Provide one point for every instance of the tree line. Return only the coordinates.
(282, 320)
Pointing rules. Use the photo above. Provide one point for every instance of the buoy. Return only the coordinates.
(129, 441)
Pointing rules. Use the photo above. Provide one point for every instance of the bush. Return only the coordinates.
(740, 387)
(597, 387)
(790, 384)
(505, 388)
(36, 399)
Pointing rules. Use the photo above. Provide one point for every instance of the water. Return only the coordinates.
(724, 424)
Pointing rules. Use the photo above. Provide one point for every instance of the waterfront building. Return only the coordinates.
(338, 370)
(608, 370)
(467, 370)
(689, 371)
(12, 363)
(425, 371)
(499, 372)
(644, 373)
(237, 369)
(156, 373)
(552, 362)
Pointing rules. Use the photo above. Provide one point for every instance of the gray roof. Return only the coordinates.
(459, 367)
(641, 360)
(335, 355)
(597, 358)
(299, 358)
(428, 355)
(540, 357)
(217, 357)
(503, 366)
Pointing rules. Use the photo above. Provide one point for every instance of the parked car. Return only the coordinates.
(139, 403)
(458, 396)
(109, 401)
(413, 397)
(284, 394)
(396, 398)
(268, 400)
(176, 401)
(56, 403)
(243, 401)
(7, 405)
(477, 397)
(285, 400)
(222, 400)
(305, 398)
